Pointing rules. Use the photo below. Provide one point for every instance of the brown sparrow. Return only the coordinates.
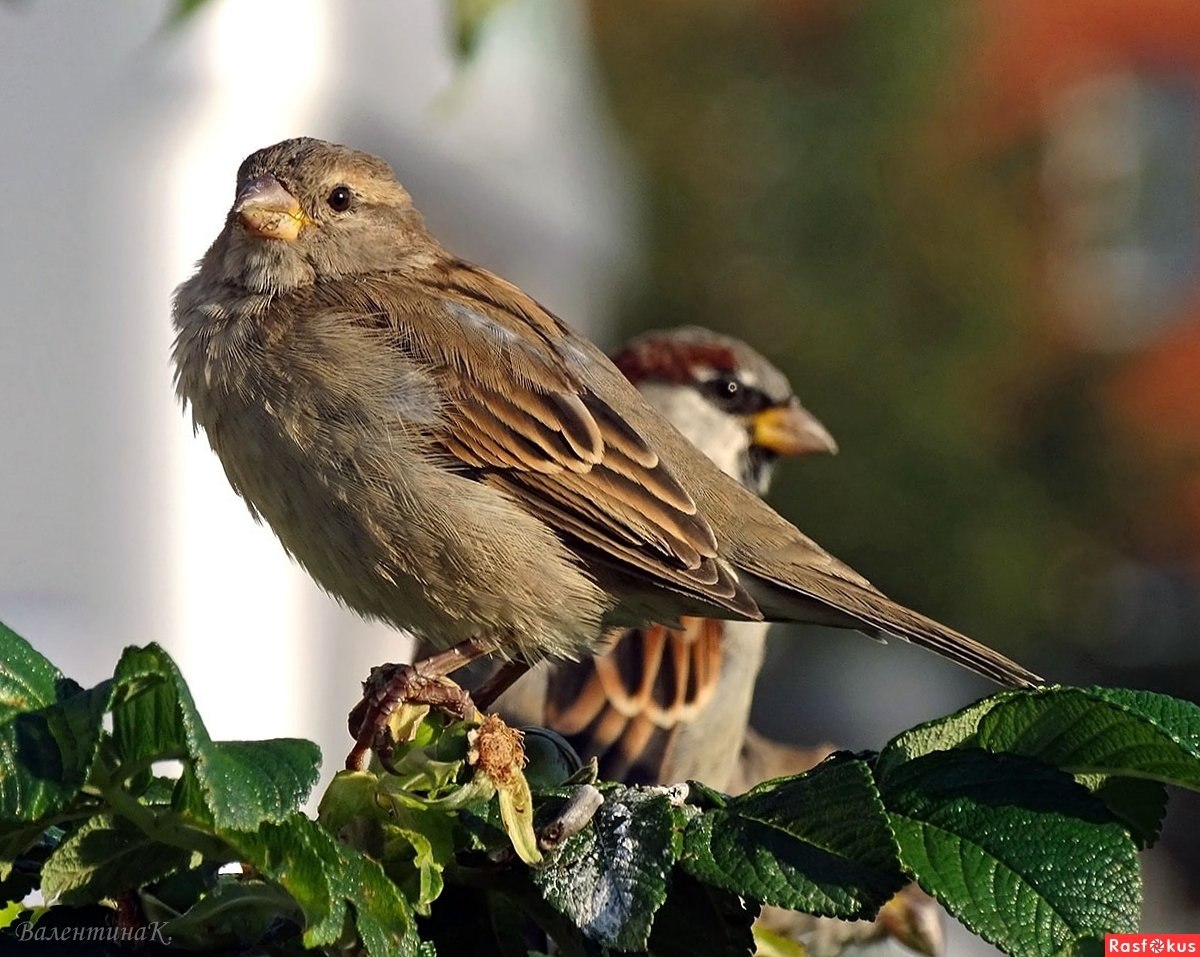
(440, 451)
(670, 704)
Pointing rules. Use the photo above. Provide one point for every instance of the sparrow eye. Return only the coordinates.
(340, 199)
(733, 395)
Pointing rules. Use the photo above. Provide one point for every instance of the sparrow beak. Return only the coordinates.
(268, 210)
(791, 430)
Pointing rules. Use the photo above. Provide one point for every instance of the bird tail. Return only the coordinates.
(847, 603)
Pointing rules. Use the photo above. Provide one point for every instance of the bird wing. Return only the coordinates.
(625, 707)
(526, 412)
(518, 417)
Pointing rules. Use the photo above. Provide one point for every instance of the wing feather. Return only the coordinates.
(519, 414)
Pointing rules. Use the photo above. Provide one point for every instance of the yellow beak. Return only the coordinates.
(268, 210)
(791, 430)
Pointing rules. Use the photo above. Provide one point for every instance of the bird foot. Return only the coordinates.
(387, 688)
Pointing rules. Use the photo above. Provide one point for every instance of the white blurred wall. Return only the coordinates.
(121, 140)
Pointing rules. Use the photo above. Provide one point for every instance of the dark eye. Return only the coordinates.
(340, 199)
(733, 395)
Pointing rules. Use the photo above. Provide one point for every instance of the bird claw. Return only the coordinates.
(387, 688)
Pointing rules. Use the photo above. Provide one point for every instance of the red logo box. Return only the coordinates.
(1153, 944)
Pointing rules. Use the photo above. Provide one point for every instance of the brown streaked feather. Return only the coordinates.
(710, 582)
(506, 436)
(576, 425)
(531, 426)
(878, 616)
(658, 478)
(619, 435)
(619, 510)
(634, 699)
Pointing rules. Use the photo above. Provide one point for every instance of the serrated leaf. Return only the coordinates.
(252, 781)
(107, 856)
(28, 680)
(49, 733)
(939, 734)
(611, 877)
(1112, 731)
(1097, 734)
(336, 887)
(819, 842)
(241, 783)
(1021, 853)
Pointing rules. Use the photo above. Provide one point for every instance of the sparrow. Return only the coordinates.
(441, 452)
(669, 704)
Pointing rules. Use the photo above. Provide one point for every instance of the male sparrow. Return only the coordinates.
(441, 452)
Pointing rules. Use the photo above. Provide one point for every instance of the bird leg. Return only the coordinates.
(501, 680)
(424, 682)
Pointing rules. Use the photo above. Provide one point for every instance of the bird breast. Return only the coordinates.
(326, 430)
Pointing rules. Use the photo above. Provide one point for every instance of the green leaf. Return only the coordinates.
(252, 781)
(105, 857)
(49, 733)
(10, 912)
(240, 783)
(1021, 853)
(819, 842)
(1111, 731)
(1101, 735)
(701, 796)
(238, 912)
(611, 877)
(1100, 730)
(413, 842)
(336, 887)
(697, 918)
(28, 681)
(939, 734)
(1139, 804)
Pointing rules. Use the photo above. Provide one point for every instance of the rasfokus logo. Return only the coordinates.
(1153, 944)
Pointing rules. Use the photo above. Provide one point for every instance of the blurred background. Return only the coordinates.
(969, 231)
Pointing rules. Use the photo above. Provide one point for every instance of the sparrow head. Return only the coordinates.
(306, 210)
(725, 398)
